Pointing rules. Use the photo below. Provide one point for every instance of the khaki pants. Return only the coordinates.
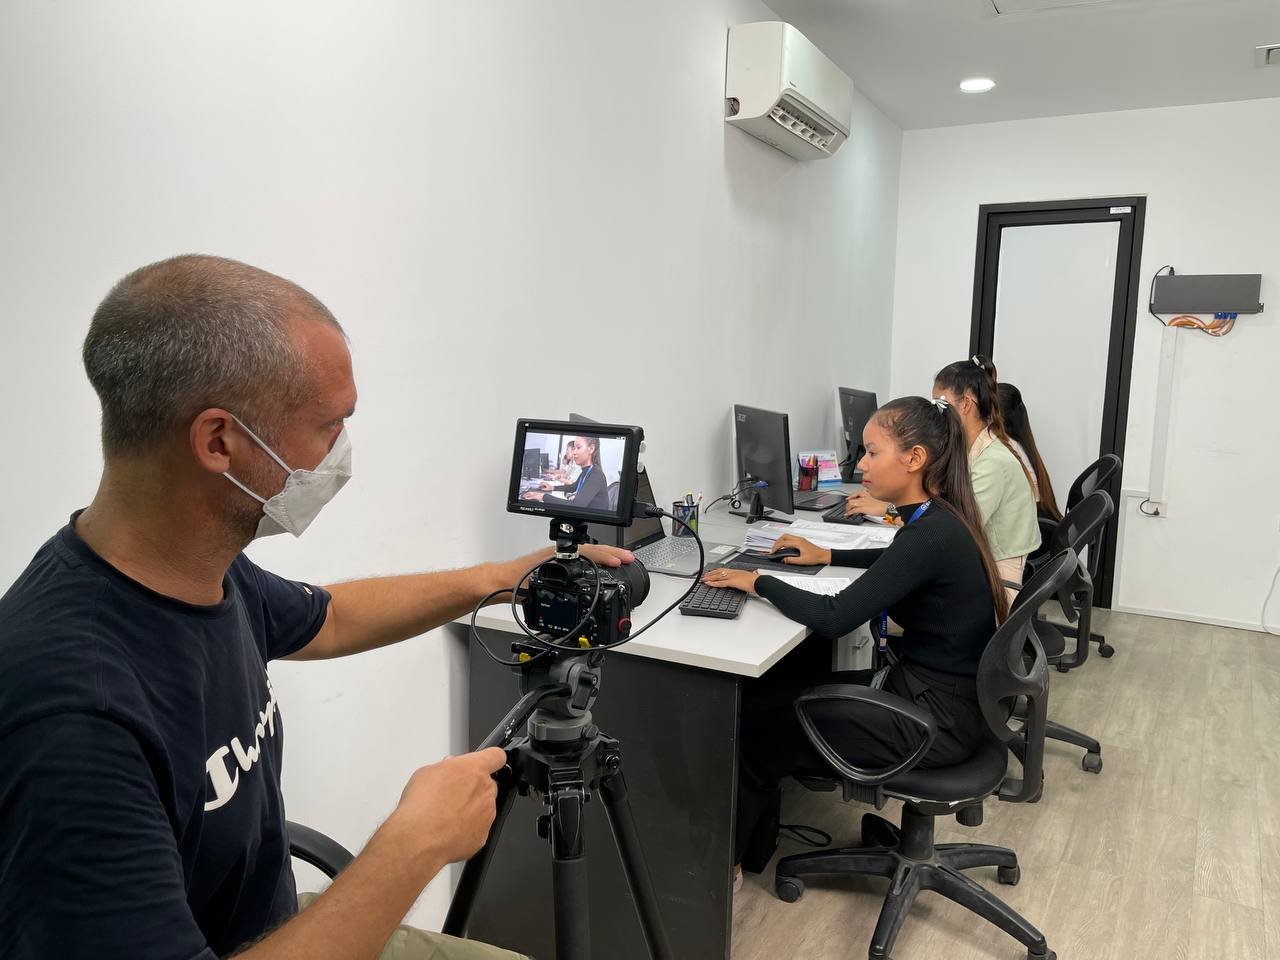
(410, 943)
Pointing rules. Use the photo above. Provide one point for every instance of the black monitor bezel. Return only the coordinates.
(789, 507)
(621, 515)
(851, 445)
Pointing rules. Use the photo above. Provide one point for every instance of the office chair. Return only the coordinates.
(1095, 477)
(1080, 530)
(313, 847)
(613, 495)
(1013, 671)
(1077, 528)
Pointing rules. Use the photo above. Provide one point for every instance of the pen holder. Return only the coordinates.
(688, 513)
(807, 476)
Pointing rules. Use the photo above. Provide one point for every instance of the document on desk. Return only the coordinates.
(835, 536)
(823, 586)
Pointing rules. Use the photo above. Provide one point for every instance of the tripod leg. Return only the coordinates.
(569, 880)
(614, 791)
(464, 898)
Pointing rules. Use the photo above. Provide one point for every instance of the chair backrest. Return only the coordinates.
(1014, 667)
(1094, 477)
(613, 495)
(1082, 523)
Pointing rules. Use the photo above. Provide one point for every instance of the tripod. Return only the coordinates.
(565, 759)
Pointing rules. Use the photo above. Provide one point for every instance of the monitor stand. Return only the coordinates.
(755, 509)
(847, 472)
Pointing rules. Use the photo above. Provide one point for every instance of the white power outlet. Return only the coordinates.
(1155, 509)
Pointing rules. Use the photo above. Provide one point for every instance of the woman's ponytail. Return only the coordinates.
(977, 377)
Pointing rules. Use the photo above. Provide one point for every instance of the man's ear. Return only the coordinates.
(215, 442)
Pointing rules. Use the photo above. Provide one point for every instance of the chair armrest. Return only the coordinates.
(890, 704)
(311, 846)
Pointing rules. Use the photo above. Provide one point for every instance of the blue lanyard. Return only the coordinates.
(578, 488)
(882, 643)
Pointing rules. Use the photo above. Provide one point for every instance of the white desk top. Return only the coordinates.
(747, 646)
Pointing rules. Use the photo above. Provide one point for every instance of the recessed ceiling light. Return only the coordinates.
(977, 85)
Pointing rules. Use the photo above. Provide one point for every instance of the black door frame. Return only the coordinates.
(1130, 212)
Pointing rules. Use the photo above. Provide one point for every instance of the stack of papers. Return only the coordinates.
(762, 536)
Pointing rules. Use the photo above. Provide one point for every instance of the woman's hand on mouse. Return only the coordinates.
(810, 554)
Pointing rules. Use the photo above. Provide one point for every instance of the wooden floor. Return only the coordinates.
(1171, 853)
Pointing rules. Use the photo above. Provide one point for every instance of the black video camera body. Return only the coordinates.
(559, 596)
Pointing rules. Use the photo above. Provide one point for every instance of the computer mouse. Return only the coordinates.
(782, 553)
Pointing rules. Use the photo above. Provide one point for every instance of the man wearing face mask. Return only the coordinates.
(141, 815)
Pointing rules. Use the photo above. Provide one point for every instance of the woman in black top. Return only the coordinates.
(937, 580)
(590, 491)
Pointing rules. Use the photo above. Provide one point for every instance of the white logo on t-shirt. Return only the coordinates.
(223, 779)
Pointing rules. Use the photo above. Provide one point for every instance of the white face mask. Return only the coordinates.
(305, 492)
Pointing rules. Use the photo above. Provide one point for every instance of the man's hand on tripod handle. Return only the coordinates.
(450, 805)
(444, 816)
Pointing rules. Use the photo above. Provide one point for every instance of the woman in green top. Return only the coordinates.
(1001, 485)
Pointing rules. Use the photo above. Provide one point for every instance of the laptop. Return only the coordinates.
(648, 540)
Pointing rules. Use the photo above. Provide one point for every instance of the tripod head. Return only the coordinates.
(557, 691)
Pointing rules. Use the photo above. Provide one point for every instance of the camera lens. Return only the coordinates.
(636, 577)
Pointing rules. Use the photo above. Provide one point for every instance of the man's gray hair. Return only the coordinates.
(193, 332)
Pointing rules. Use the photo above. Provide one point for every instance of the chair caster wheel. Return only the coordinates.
(789, 889)
(1063, 668)
(1092, 762)
(1009, 876)
(1106, 651)
(1042, 956)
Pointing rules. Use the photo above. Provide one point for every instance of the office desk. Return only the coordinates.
(671, 698)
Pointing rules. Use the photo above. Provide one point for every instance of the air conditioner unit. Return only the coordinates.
(781, 88)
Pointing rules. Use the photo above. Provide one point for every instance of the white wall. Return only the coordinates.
(1214, 199)
(515, 209)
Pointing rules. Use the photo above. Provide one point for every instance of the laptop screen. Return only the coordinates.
(644, 529)
(641, 531)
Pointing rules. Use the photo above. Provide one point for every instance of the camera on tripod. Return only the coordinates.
(573, 611)
(577, 602)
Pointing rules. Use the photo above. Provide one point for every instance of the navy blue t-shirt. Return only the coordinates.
(140, 749)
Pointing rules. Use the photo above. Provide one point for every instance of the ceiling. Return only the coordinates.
(1049, 58)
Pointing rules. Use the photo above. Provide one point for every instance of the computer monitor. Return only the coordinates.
(856, 408)
(532, 464)
(763, 448)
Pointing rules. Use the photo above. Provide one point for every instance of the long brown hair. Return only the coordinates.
(595, 451)
(935, 426)
(977, 376)
(1017, 423)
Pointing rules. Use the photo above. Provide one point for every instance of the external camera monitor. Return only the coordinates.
(589, 472)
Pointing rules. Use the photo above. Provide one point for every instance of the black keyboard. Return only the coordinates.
(819, 501)
(717, 602)
(836, 515)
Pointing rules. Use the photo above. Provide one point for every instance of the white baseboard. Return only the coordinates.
(1190, 617)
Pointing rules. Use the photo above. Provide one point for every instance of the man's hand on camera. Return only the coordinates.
(606, 556)
(446, 809)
